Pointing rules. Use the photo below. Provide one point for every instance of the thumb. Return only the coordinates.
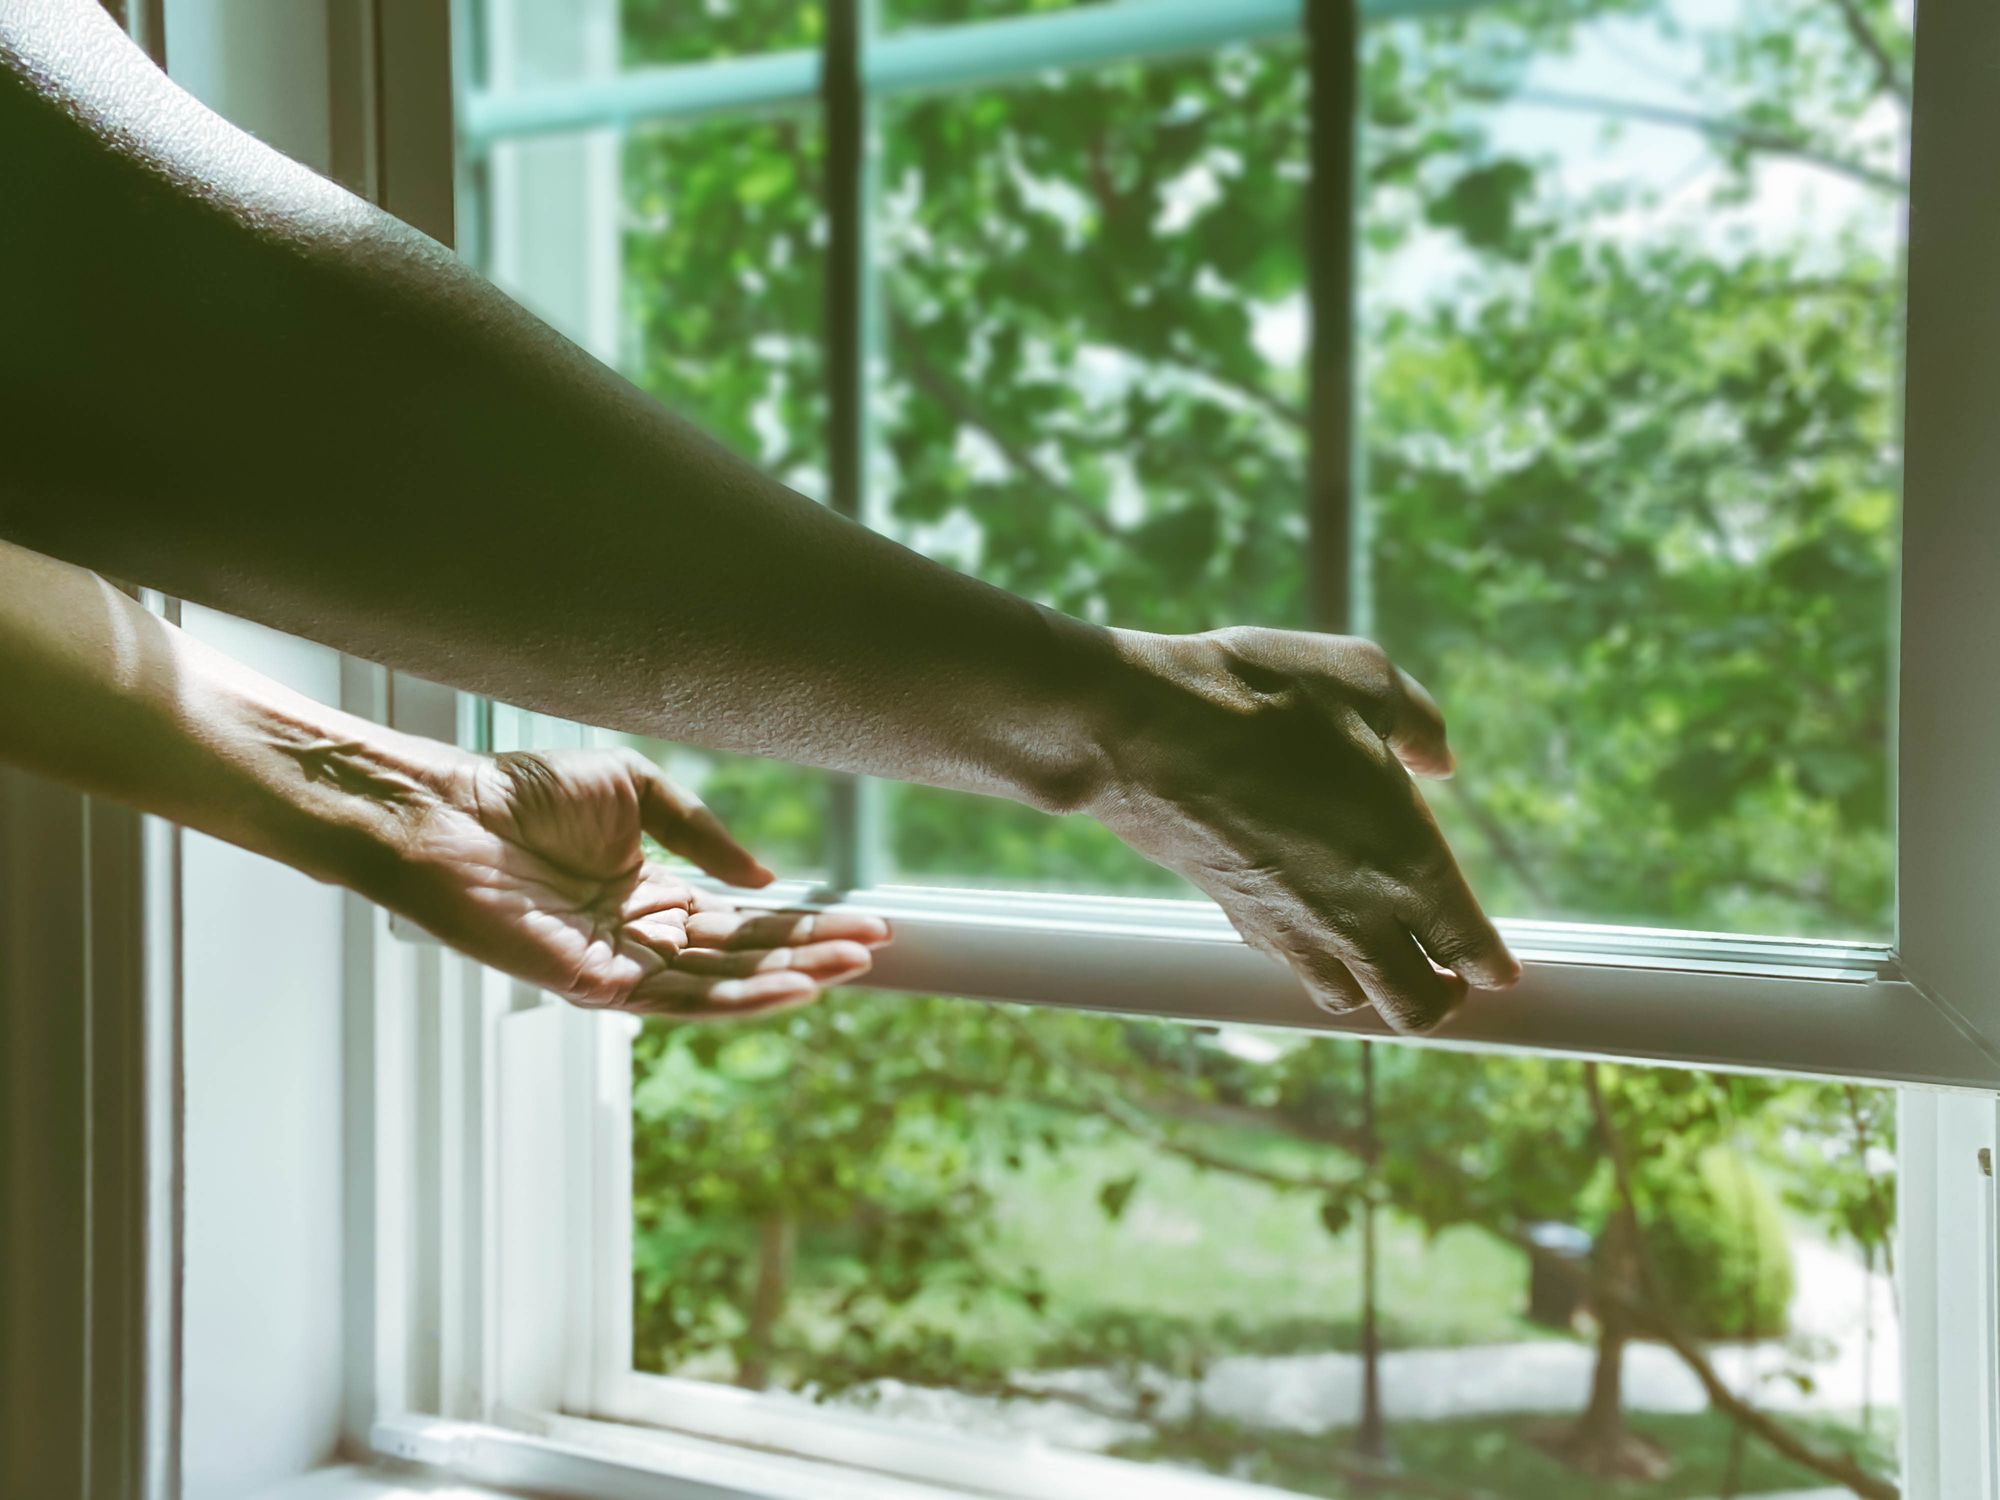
(681, 823)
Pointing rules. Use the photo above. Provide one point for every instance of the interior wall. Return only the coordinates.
(262, 1364)
(44, 1104)
(262, 1351)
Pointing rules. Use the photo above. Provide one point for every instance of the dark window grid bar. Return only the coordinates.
(1336, 519)
(848, 78)
(856, 819)
(1338, 594)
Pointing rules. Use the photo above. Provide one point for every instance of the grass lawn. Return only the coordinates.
(1197, 1259)
(1493, 1458)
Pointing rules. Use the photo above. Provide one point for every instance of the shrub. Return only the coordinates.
(1718, 1241)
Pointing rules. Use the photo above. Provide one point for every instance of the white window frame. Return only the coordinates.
(1916, 1009)
(497, 1129)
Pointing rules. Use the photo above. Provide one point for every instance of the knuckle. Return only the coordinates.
(1426, 875)
(1331, 984)
(1342, 999)
(1411, 1019)
(1371, 661)
(1239, 638)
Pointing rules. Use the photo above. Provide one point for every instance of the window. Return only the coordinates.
(1561, 347)
(1585, 401)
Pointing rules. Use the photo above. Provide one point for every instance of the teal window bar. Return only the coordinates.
(975, 54)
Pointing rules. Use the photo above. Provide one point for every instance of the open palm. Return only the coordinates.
(535, 865)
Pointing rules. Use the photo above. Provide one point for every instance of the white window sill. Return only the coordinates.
(592, 1460)
(367, 1482)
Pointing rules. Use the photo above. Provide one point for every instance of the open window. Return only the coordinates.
(1561, 347)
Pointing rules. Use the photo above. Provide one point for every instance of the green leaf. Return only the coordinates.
(1336, 1213)
(1483, 203)
(1114, 1195)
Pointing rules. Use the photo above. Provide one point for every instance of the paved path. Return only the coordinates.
(1309, 1393)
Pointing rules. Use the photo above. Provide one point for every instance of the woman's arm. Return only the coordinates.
(227, 378)
(530, 863)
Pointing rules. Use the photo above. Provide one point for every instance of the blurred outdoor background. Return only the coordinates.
(1631, 309)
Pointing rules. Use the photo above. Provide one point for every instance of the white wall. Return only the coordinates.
(262, 1347)
(261, 63)
(262, 1356)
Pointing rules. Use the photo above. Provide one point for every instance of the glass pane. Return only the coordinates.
(1633, 301)
(915, 13)
(657, 32)
(1093, 291)
(722, 312)
(1142, 1239)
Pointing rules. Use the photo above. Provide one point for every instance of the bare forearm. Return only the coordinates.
(325, 423)
(100, 694)
(224, 377)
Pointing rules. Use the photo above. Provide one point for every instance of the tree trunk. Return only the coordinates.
(777, 1239)
(1371, 1437)
(1600, 1443)
(1602, 1425)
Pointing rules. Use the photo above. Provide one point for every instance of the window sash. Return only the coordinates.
(566, 1080)
(534, 1132)
(1916, 1012)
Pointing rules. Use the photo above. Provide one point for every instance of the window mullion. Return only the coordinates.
(855, 811)
(1338, 598)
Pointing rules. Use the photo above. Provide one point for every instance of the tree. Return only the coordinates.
(1631, 457)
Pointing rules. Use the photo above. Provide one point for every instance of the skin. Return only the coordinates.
(532, 864)
(293, 407)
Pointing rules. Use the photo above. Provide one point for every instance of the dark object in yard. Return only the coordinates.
(1558, 1273)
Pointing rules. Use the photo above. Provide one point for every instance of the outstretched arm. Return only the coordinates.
(227, 378)
(532, 864)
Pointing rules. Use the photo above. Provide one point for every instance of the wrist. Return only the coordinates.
(337, 796)
(1053, 748)
(1115, 693)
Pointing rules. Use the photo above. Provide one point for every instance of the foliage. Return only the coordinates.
(1721, 1250)
(1487, 1458)
(1630, 481)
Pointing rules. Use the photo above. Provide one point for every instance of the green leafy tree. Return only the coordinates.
(1631, 457)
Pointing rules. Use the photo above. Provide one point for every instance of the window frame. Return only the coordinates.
(1913, 1010)
(523, 1104)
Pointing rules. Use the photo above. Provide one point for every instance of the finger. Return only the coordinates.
(784, 929)
(826, 963)
(1394, 704)
(1406, 988)
(1456, 933)
(1416, 730)
(674, 992)
(679, 821)
(1333, 988)
(665, 932)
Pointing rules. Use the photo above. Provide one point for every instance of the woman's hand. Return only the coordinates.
(533, 864)
(1273, 768)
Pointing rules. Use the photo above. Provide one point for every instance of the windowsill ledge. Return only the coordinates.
(592, 1460)
(373, 1482)
(428, 1457)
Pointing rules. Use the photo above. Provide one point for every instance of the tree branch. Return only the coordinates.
(1276, 406)
(1870, 41)
(1652, 1317)
(1502, 844)
(1884, 1220)
(1751, 137)
(934, 383)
